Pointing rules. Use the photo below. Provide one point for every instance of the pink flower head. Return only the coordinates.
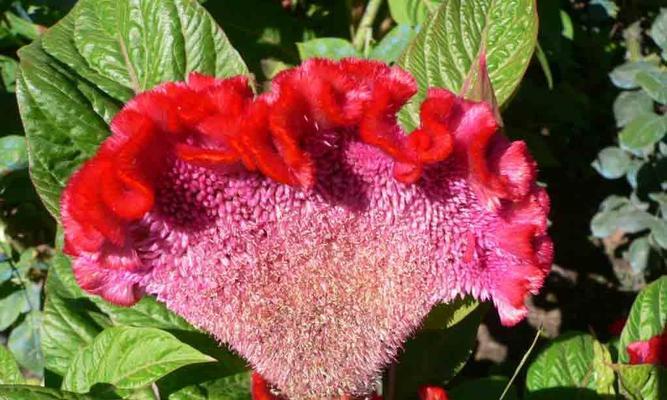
(303, 226)
(652, 351)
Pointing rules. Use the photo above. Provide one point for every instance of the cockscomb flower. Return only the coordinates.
(303, 226)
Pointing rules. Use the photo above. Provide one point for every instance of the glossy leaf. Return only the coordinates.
(648, 316)
(573, 361)
(129, 358)
(644, 131)
(10, 374)
(74, 78)
(332, 48)
(631, 104)
(612, 162)
(446, 51)
(654, 83)
(25, 392)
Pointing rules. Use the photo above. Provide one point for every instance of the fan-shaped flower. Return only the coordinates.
(303, 226)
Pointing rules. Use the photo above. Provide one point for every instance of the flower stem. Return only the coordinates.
(365, 30)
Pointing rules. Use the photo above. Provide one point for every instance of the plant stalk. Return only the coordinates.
(365, 29)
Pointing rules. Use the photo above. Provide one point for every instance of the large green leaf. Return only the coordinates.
(9, 370)
(435, 355)
(642, 382)
(648, 316)
(574, 366)
(76, 77)
(24, 392)
(66, 329)
(129, 358)
(446, 51)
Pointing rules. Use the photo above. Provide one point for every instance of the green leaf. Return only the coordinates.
(654, 83)
(648, 316)
(573, 366)
(233, 387)
(75, 78)
(24, 392)
(609, 7)
(434, 356)
(661, 199)
(619, 213)
(65, 329)
(637, 254)
(659, 232)
(412, 12)
(612, 162)
(148, 312)
(482, 388)
(446, 51)
(630, 105)
(624, 76)
(13, 154)
(332, 48)
(446, 315)
(11, 307)
(10, 374)
(24, 343)
(8, 67)
(644, 131)
(640, 382)
(393, 44)
(129, 358)
(659, 30)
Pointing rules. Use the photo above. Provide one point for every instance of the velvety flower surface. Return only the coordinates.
(303, 226)
(651, 351)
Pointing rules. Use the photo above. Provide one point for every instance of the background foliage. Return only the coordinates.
(592, 107)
